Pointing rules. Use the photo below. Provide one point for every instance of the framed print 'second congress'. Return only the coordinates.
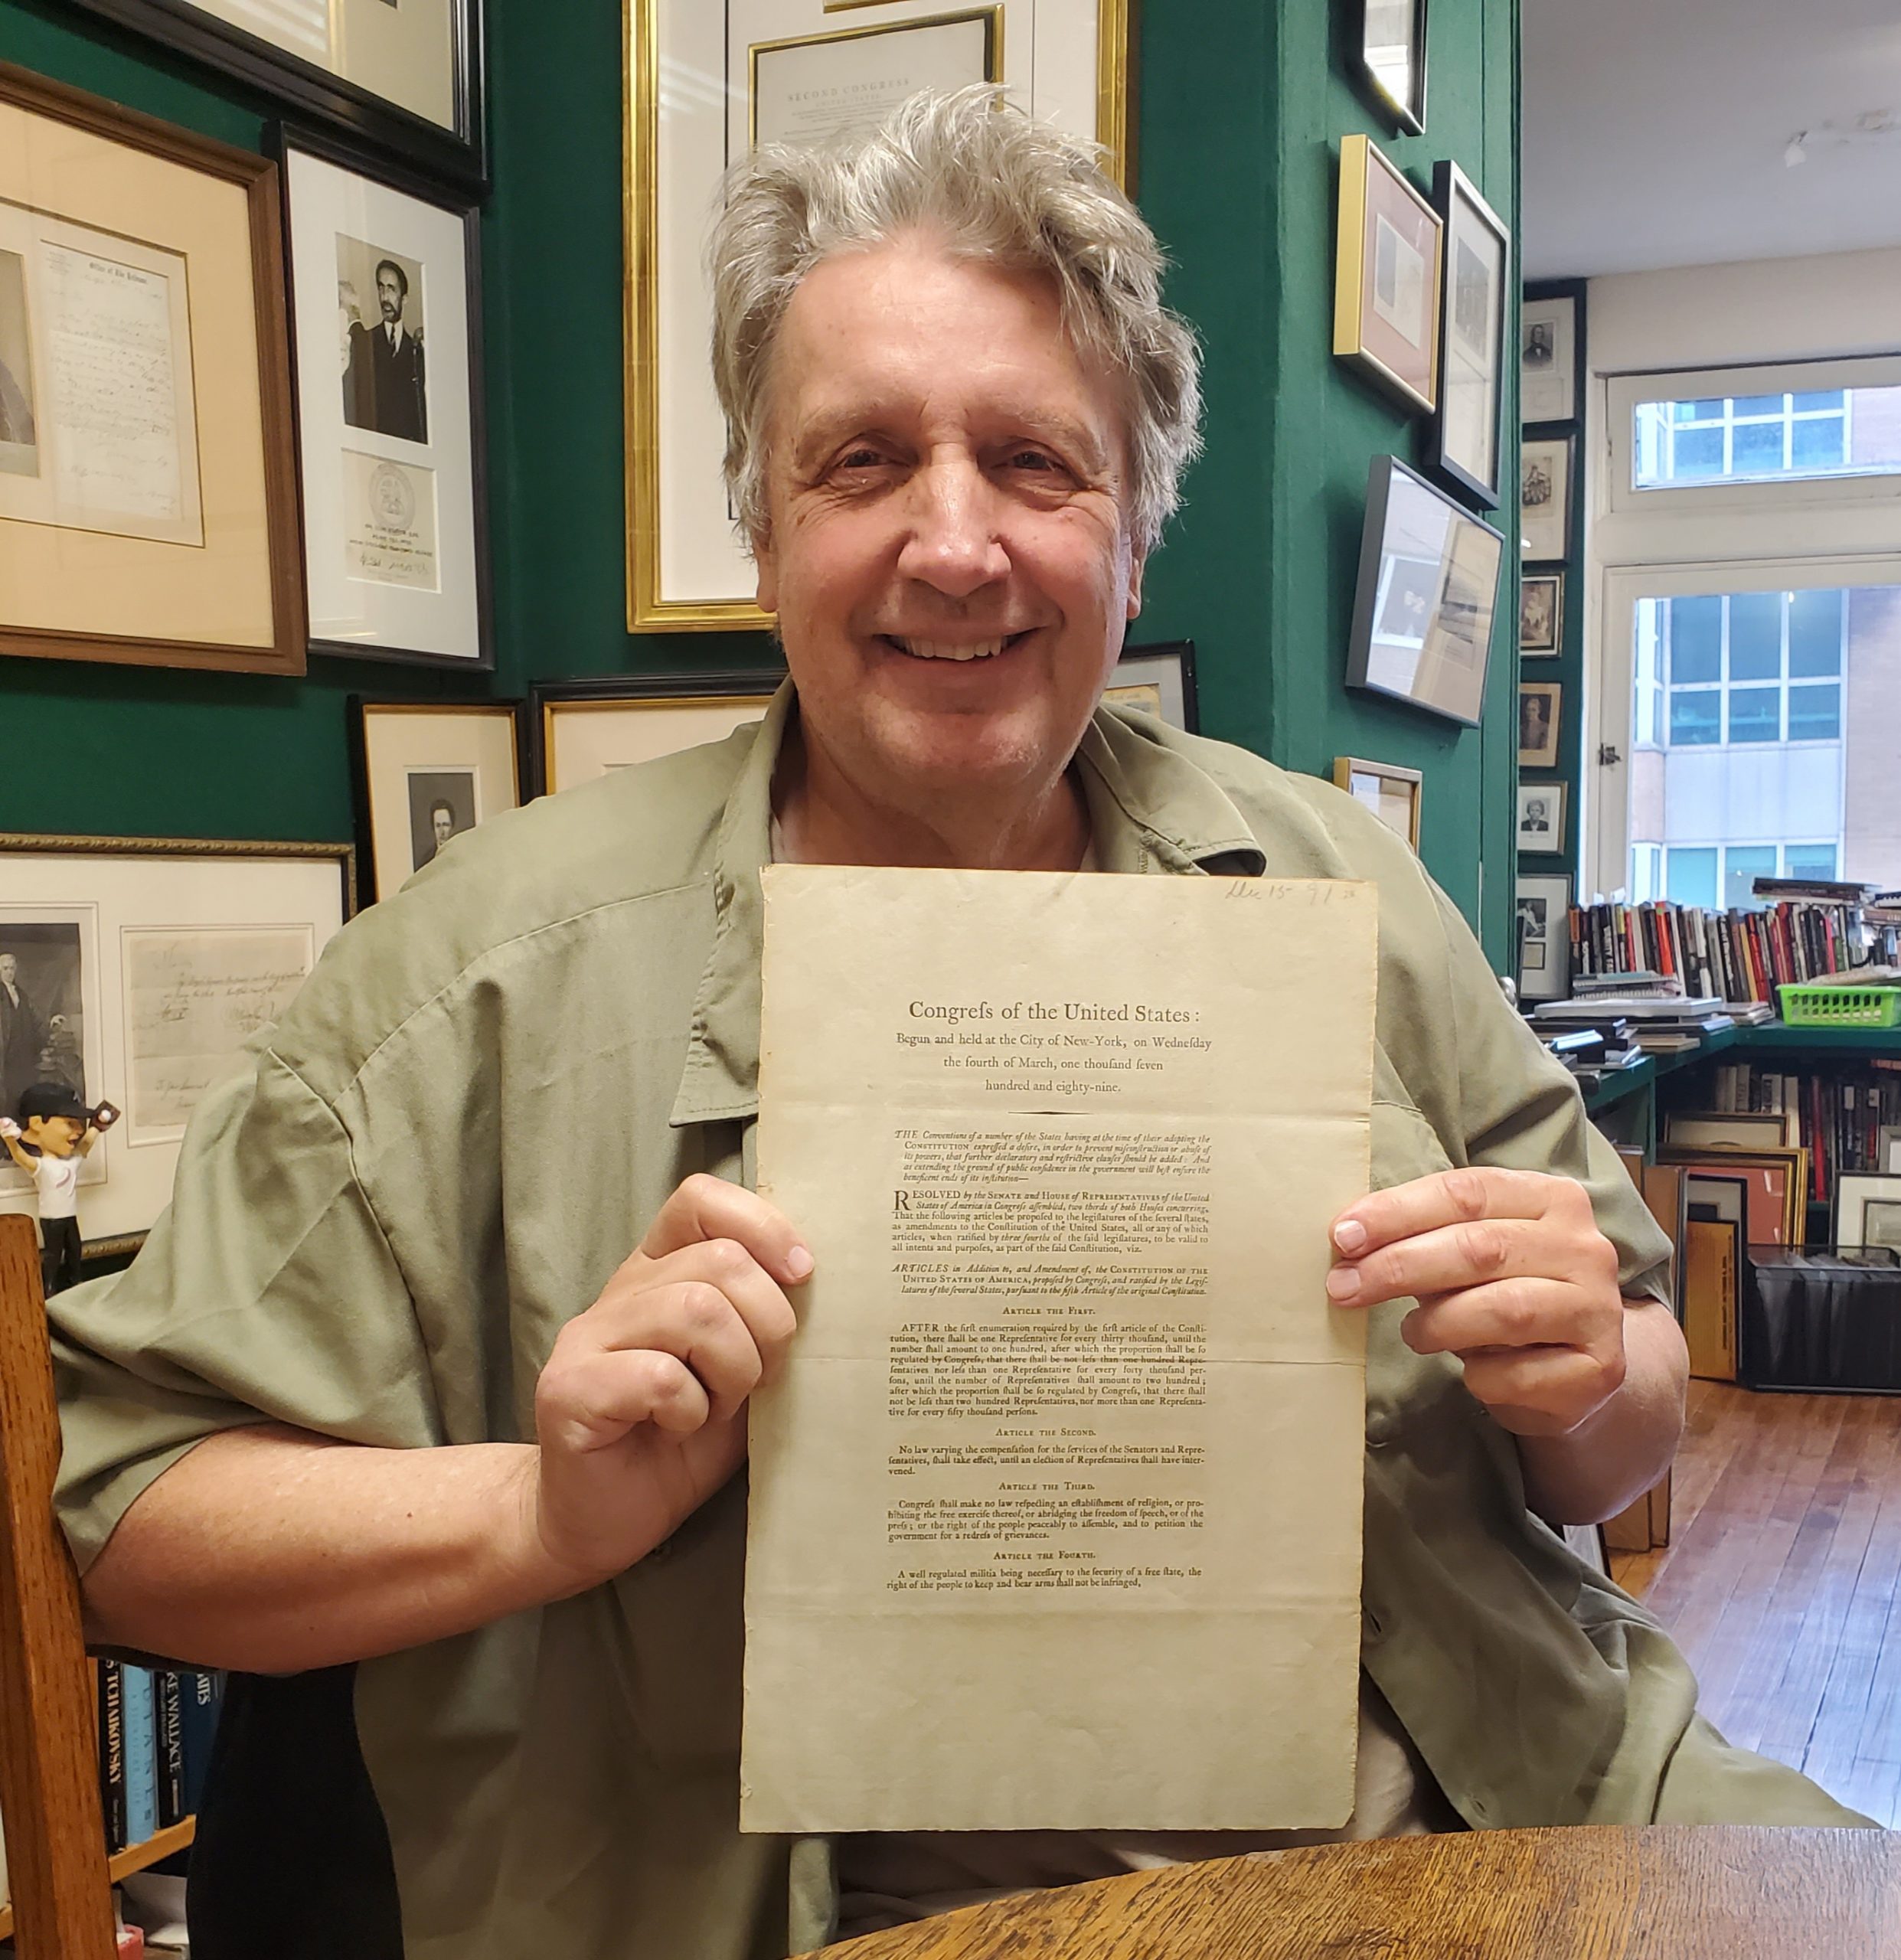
(386, 308)
(147, 512)
(405, 75)
(797, 72)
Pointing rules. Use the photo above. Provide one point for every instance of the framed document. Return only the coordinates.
(1159, 681)
(404, 75)
(1423, 616)
(1465, 431)
(424, 772)
(1542, 928)
(148, 509)
(385, 302)
(1387, 273)
(143, 965)
(580, 730)
(1544, 499)
(798, 72)
(1391, 792)
(1549, 347)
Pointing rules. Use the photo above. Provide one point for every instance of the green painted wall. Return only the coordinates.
(1242, 108)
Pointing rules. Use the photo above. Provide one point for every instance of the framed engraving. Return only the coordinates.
(424, 772)
(148, 508)
(1389, 264)
(799, 72)
(143, 966)
(580, 730)
(385, 302)
(1544, 499)
(1464, 443)
(403, 76)
(1158, 681)
(1551, 353)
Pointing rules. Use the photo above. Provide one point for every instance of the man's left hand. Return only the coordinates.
(1511, 1275)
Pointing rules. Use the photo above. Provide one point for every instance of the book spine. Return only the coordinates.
(142, 1757)
(111, 1752)
(201, 1696)
(170, 1721)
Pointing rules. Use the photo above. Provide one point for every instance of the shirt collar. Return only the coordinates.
(1151, 809)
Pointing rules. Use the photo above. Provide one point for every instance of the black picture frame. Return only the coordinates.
(604, 689)
(1460, 203)
(1179, 655)
(461, 203)
(1570, 296)
(1541, 923)
(1563, 492)
(1404, 106)
(353, 112)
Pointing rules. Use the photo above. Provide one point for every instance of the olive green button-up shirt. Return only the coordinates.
(468, 1119)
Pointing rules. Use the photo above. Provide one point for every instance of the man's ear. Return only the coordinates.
(1138, 562)
(766, 565)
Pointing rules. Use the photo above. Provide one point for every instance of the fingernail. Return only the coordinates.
(1343, 1282)
(1350, 1235)
(798, 1262)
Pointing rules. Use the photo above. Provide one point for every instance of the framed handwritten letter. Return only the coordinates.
(385, 310)
(148, 510)
(706, 80)
(139, 968)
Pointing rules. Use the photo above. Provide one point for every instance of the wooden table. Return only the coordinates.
(1660, 1892)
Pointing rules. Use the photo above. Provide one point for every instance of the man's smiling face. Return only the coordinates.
(950, 557)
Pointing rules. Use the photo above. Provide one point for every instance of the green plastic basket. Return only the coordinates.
(1807, 1005)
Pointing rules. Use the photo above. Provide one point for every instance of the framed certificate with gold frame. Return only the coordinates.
(800, 72)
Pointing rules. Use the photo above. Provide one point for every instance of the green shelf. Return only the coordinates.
(1768, 1038)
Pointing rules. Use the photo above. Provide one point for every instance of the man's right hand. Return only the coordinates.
(641, 1411)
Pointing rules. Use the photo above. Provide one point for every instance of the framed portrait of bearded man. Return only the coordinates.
(804, 73)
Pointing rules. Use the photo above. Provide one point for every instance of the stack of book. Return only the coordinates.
(1804, 930)
(1654, 1025)
(155, 1742)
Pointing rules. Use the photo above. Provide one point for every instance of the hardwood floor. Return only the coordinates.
(1780, 1581)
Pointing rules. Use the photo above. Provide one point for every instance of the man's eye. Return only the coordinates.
(859, 460)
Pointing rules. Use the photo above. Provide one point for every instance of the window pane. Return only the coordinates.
(1755, 636)
(1755, 714)
(1757, 405)
(1691, 876)
(1696, 640)
(1697, 452)
(1826, 398)
(1759, 449)
(1698, 411)
(1742, 864)
(1818, 444)
(1814, 713)
(1696, 715)
(1808, 860)
(1814, 634)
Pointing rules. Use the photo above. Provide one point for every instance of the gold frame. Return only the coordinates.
(1347, 767)
(647, 611)
(1356, 156)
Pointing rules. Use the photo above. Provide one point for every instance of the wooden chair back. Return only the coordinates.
(49, 1781)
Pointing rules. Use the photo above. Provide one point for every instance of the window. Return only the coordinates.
(1722, 875)
(1744, 667)
(1739, 438)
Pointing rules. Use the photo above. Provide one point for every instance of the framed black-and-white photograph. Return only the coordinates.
(1539, 702)
(1548, 348)
(1868, 1210)
(425, 773)
(1466, 443)
(1544, 500)
(386, 314)
(1389, 266)
(1158, 681)
(1428, 595)
(1540, 613)
(1541, 817)
(1542, 933)
(704, 82)
(1393, 58)
(405, 76)
(140, 968)
(580, 730)
(1393, 793)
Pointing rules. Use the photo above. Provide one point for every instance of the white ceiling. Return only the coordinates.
(1655, 130)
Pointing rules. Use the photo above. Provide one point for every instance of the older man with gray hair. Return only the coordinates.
(387, 1396)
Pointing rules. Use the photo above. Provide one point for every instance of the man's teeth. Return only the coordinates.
(952, 649)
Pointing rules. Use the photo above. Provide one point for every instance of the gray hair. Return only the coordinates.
(998, 187)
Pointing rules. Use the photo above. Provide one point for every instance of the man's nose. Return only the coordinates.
(952, 542)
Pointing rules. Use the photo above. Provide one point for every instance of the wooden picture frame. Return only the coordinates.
(1393, 59)
(413, 763)
(1540, 704)
(450, 143)
(1541, 819)
(1541, 615)
(1466, 443)
(1392, 791)
(1388, 268)
(1727, 1129)
(1159, 679)
(1424, 609)
(159, 958)
(161, 531)
(1541, 936)
(580, 730)
(1777, 1203)
(687, 570)
(393, 463)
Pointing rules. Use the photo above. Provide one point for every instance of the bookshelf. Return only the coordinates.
(135, 1858)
